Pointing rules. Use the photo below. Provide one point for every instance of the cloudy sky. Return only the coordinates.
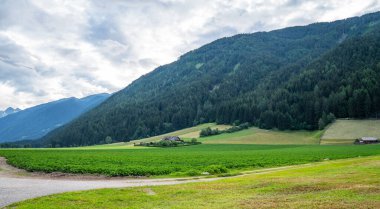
(52, 49)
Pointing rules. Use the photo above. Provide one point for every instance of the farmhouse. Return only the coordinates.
(172, 138)
(367, 140)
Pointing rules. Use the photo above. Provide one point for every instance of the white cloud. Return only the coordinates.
(53, 49)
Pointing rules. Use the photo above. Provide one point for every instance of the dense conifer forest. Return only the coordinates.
(293, 78)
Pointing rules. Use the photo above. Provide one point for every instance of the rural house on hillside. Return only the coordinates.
(172, 138)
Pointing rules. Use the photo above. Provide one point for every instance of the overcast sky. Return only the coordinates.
(52, 49)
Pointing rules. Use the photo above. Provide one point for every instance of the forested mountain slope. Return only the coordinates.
(35, 122)
(288, 78)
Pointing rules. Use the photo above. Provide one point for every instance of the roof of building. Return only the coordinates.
(171, 138)
(369, 138)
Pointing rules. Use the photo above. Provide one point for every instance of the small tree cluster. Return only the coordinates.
(210, 132)
(325, 120)
(108, 140)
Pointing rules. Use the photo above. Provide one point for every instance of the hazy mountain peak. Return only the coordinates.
(37, 121)
(8, 111)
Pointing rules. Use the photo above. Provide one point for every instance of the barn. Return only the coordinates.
(367, 140)
(172, 138)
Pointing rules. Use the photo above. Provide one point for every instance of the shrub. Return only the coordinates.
(108, 140)
(193, 173)
(216, 169)
(205, 132)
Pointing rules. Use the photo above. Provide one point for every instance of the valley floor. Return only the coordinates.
(293, 172)
(17, 185)
(346, 183)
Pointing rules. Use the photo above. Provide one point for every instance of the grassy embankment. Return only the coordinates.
(349, 183)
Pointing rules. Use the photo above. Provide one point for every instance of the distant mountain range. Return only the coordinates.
(293, 78)
(35, 122)
(8, 111)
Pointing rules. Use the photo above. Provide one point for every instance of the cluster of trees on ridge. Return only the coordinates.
(285, 79)
(168, 143)
(237, 127)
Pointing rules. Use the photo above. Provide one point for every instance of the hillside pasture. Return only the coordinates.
(255, 135)
(346, 131)
(187, 133)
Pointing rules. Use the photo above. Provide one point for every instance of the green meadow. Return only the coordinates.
(248, 149)
(328, 176)
(187, 133)
(179, 161)
(255, 135)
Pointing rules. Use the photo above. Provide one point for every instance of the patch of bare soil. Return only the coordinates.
(149, 191)
(8, 170)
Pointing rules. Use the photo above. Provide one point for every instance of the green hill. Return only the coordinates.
(187, 133)
(252, 135)
(285, 78)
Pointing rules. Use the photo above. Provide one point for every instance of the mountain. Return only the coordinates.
(8, 111)
(293, 78)
(35, 122)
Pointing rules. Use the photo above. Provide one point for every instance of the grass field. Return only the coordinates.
(252, 135)
(346, 131)
(180, 161)
(186, 133)
(326, 184)
(255, 135)
(330, 184)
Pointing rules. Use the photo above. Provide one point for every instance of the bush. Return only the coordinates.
(216, 169)
(205, 132)
(193, 173)
(108, 140)
(325, 120)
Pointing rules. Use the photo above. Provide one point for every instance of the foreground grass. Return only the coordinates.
(180, 161)
(255, 135)
(350, 183)
(346, 131)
